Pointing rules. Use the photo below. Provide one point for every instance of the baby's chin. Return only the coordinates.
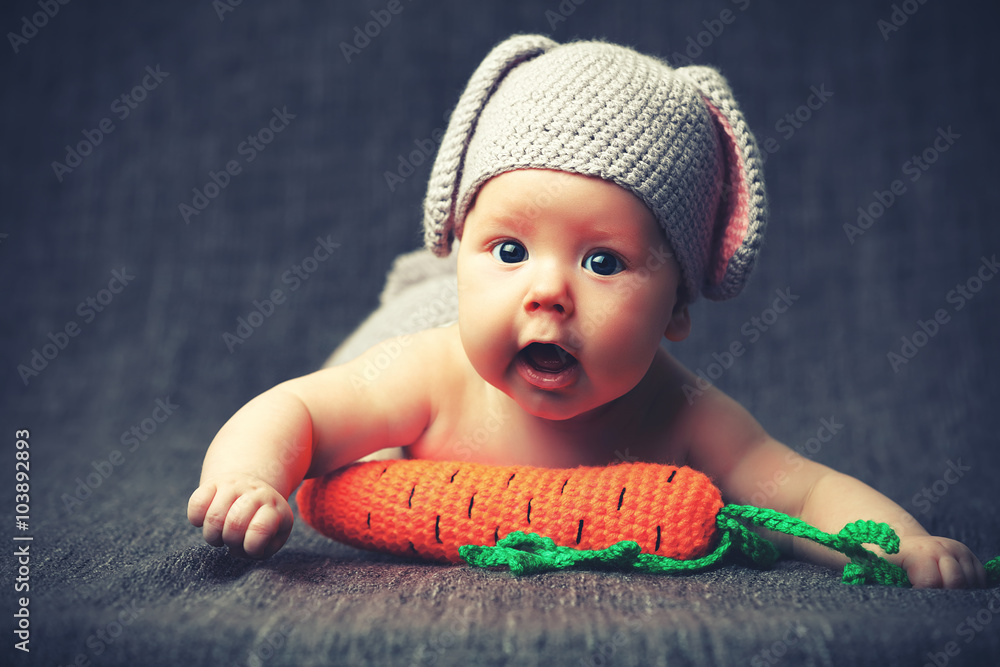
(559, 406)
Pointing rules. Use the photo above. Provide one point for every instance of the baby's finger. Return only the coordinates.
(284, 527)
(975, 573)
(234, 532)
(198, 504)
(217, 516)
(952, 574)
(260, 533)
(924, 573)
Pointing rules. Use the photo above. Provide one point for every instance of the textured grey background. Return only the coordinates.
(128, 543)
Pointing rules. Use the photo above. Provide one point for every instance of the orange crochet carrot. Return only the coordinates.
(641, 517)
(431, 508)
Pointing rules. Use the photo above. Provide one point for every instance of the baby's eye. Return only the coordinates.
(510, 252)
(603, 263)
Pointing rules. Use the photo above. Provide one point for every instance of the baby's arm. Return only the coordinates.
(752, 468)
(302, 428)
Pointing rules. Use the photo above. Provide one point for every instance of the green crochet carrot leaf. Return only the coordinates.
(632, 516)
(530, 554)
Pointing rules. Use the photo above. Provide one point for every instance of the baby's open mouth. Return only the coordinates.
(548, 357)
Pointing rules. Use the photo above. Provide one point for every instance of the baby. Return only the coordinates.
(595, 192)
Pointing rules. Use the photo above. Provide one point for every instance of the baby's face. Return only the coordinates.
(566, 287)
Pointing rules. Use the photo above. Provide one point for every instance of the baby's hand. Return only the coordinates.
(938, 562)
(243, 512)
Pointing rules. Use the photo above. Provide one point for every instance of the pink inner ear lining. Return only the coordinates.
(735, 202)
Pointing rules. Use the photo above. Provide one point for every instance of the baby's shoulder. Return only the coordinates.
(412, 362)
(704, 416)
(437, 345)
(688, 392)
(437, 353)
(447, 383)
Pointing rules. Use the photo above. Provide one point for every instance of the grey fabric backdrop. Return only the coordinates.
(118, 577)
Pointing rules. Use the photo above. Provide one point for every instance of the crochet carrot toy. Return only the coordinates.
(633, 516)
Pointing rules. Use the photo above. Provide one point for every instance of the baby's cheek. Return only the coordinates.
(482, 336)
(626, 350)
(626, 366)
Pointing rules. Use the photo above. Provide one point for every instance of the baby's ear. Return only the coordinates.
(742, 215)
(680, 323)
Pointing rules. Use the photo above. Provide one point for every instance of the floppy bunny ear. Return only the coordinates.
(742, 214)
(446, 175)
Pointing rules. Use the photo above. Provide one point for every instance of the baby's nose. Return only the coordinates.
(550, 291)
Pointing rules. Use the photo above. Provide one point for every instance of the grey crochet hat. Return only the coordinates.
(673, 137)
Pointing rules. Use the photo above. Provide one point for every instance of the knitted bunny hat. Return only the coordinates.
(673, 137)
